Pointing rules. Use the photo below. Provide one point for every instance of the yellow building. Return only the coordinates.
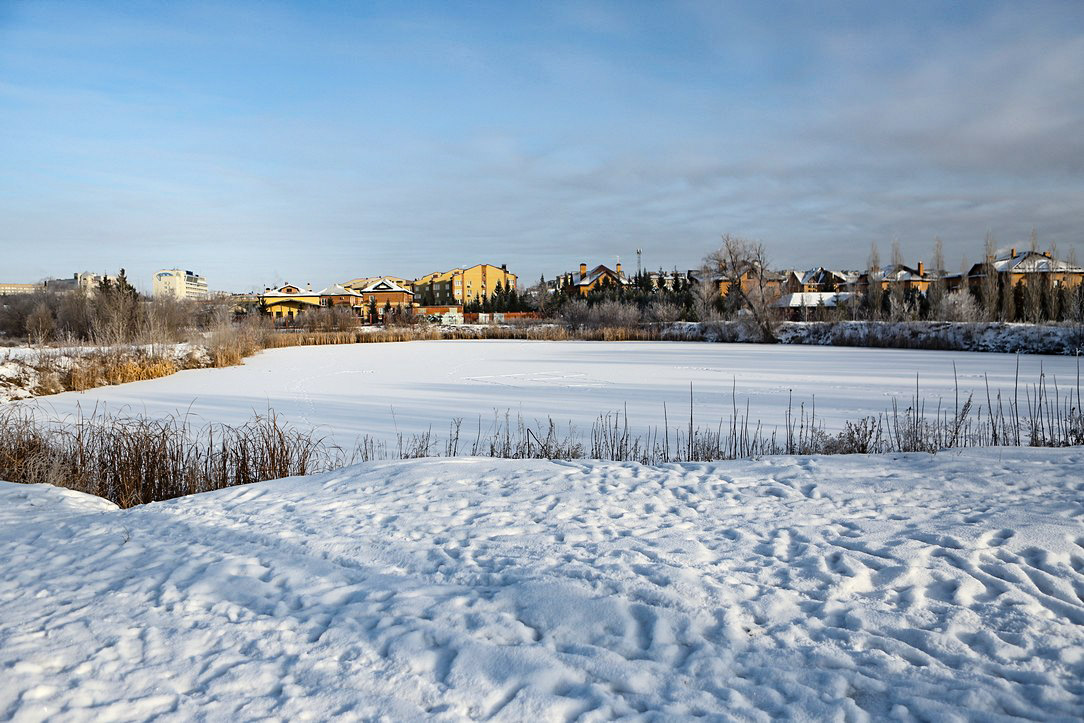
(288, 302)
(461, 286)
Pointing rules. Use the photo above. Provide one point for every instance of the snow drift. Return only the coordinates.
(907, 586)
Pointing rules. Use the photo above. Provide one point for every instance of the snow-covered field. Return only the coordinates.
(381, 389)
(912, 587)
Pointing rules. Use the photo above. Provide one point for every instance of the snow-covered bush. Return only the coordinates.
(959, 306)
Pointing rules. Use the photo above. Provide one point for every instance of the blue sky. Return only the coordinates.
(317, 141)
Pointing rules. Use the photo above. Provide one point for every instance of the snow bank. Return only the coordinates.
(984, 337)
(1064, 339)
(912, 587)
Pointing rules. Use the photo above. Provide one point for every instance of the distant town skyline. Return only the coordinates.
(258, 143)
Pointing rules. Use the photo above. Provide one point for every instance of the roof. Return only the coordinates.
(1028, 262)
(821, 275)
(898, 272)
(338, 290)
(300, 295)
(363, 281)
(385, 285)
(814, 298)
(1031, 262)
(435, 276)
(597, 273)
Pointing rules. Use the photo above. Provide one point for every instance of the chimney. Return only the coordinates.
(1012, 254)
(921, 269)
(618, 269)
(583, 270)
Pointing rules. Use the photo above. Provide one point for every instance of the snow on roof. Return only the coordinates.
(819, 275)
(813, 298)
(899, 272)
(1030, 262)
(281, 293)
(596, 273)
(385, 285)
(338, 290)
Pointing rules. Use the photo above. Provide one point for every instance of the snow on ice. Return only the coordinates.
(383, 389)
(908, 587)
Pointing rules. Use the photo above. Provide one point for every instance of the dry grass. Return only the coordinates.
(105, 369)
(136, 460)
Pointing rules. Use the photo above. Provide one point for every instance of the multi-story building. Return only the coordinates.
(460, 286)
(180, 284)
(85, 281)
(12, 289)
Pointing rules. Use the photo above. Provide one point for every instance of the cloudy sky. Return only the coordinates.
(318, 141)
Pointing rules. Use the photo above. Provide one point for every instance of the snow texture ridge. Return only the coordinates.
(908, 586)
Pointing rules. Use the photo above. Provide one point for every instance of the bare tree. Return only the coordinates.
(897, 301)
(988, 296)
(935, 292)
(1033, 297)
(75, 315)
(706, 298)
(540, 297)
(663, 312)
(874, 290)
(1007, 305)
(40, 324)
(743, 265)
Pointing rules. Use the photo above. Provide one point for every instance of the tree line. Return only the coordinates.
(111, 313)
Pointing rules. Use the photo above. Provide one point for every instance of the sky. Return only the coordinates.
(315, 142)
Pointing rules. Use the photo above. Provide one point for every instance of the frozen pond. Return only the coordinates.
(382, 389)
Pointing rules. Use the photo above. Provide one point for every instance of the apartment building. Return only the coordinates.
(460, 286)
(13, 289)
(180, 284)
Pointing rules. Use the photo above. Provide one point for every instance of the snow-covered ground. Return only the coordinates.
(912, 587)
(381, 389)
